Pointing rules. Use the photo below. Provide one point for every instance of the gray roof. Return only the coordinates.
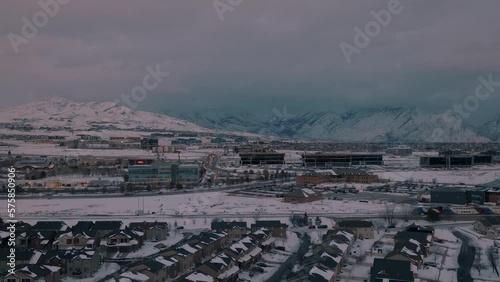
(355, 223)
(391, 269)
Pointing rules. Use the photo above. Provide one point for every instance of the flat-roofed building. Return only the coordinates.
(154, 174)
(262, 158)
(341, 160)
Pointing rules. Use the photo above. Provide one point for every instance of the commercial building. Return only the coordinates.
(337, 175)
(34, 164)
(302, 196)
(340, 160)
(149, 143)
(153, 174)
(458, 195)
(185, 173)
(400, 151)
(217, 140)
(262, 158)
(448, 159)
(186, 141)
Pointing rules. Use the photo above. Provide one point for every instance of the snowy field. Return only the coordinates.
(477, 175)
(211, 203)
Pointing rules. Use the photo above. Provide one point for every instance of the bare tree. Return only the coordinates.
(406, 212)
(388, 214)
(492, 255)
(478, 264)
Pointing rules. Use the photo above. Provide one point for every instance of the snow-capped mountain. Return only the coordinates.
(62, 113)
(490, 130)
(368, 125)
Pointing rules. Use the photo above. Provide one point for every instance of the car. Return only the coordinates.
(322, 227)
(312, 227)
(180, 227)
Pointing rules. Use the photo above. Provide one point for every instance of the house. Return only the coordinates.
(155, 270)
(184, 255)
(192, 249)
(24, 257)
(133, 276)
(184, 261)
(424, 239)
(170, 265)
(104, 227)
(221, 267)
(37, 239)
(320, 273)
(276, 228)
(235, 230)
(154, 231)
(420, 229)
(391, 270)
(121, 241)
(362, 228)
(56, 226)
(304, 195)
(81, 236)
(209, 242)
(197, 277)
(245, 252)
(488, 225)
(75, 263)
(32, 273)
(20, 227)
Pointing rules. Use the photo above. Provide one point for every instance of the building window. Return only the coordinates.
(11, 280)
(26, 280)
(76, 241)
(68, 241)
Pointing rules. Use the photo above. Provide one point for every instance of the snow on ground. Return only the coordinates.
(215, 203)
(104, 270)
(477, 175)
(28, 148)
(273, 259)
(149, 247)
(481, 244)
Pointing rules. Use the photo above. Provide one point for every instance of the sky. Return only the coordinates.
(251, 55)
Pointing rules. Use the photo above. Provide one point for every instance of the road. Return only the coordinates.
(148, 194)
(465, 258)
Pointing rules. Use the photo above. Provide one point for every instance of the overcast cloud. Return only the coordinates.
(264, 54)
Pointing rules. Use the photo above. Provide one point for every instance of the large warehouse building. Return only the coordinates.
(339, 160)
(164, 174)
(262, 158)
(455, 161)
(459, 196)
